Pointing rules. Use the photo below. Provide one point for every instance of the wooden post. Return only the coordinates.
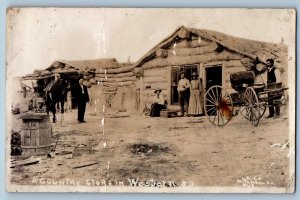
(169, 87)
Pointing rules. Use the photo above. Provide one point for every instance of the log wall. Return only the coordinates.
(153, 79)
(193, 59)
(157, 72)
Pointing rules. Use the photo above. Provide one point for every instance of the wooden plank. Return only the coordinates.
(23, 136)
(154, 72)
(155, 79)
(118, 84)
(112, 80)
(87, 164)
(29, 161)
(227, 72)
(27, 137)
(34, 137)
(43, 138)
(233, 64)
(120, 75)
(117, 70)
(162, 86)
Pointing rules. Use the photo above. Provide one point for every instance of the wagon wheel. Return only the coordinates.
(261, 109)
(218, 106)
(252, 109)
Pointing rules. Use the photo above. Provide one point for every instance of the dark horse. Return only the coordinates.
(55, 94)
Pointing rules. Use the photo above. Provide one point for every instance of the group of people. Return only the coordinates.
(189, 93)
(189, 97)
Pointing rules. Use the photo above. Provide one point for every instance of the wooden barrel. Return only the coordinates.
(36, 134)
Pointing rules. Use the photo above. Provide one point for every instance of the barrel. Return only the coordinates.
(36, 134)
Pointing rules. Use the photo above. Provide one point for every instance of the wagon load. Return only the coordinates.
(239, 79)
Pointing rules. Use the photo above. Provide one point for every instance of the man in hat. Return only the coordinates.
(183, 92)
(272, 78)
(82, 99)
(158, 104)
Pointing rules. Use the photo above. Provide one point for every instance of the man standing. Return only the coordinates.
(271, 80)
(183, 92)
(82, 98)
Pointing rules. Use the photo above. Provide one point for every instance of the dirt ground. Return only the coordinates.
(185, 150)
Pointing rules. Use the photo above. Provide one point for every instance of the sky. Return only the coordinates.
(36, 37)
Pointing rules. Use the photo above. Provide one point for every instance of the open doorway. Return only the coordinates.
(213, 76)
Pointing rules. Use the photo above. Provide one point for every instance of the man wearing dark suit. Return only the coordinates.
(271, 79)
(82, 98)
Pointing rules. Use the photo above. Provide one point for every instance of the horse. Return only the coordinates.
(56, 94)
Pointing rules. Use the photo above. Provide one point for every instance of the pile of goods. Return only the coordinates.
(239, 80)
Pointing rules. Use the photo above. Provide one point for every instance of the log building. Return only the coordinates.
(213, 55)
(130, 86)
(109, 82)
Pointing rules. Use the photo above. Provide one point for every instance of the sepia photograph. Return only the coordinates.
(150, 100)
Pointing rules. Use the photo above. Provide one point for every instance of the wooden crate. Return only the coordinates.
(168, 113)
(36, 134)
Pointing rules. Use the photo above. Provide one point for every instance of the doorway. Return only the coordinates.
(213, 76)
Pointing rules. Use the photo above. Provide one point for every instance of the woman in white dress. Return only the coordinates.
(195, 104)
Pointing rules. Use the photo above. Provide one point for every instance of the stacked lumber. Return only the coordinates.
(118, 75)
(109, 74)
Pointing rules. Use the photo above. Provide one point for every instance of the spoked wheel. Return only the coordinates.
(261, 108)
(218, 106)
(252, 109)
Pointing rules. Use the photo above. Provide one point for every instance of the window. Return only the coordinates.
(175, 71)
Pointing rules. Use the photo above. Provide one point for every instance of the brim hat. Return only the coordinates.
(157, 90)
(194, 74)
(181, 73)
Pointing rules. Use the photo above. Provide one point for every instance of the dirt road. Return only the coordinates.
(173, 151)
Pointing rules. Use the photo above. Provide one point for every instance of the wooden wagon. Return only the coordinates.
(250, 99)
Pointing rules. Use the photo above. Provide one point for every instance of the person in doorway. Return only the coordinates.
(183, 92)
(158, 104)
(274, 109)
(82, 99)
(195, 105)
